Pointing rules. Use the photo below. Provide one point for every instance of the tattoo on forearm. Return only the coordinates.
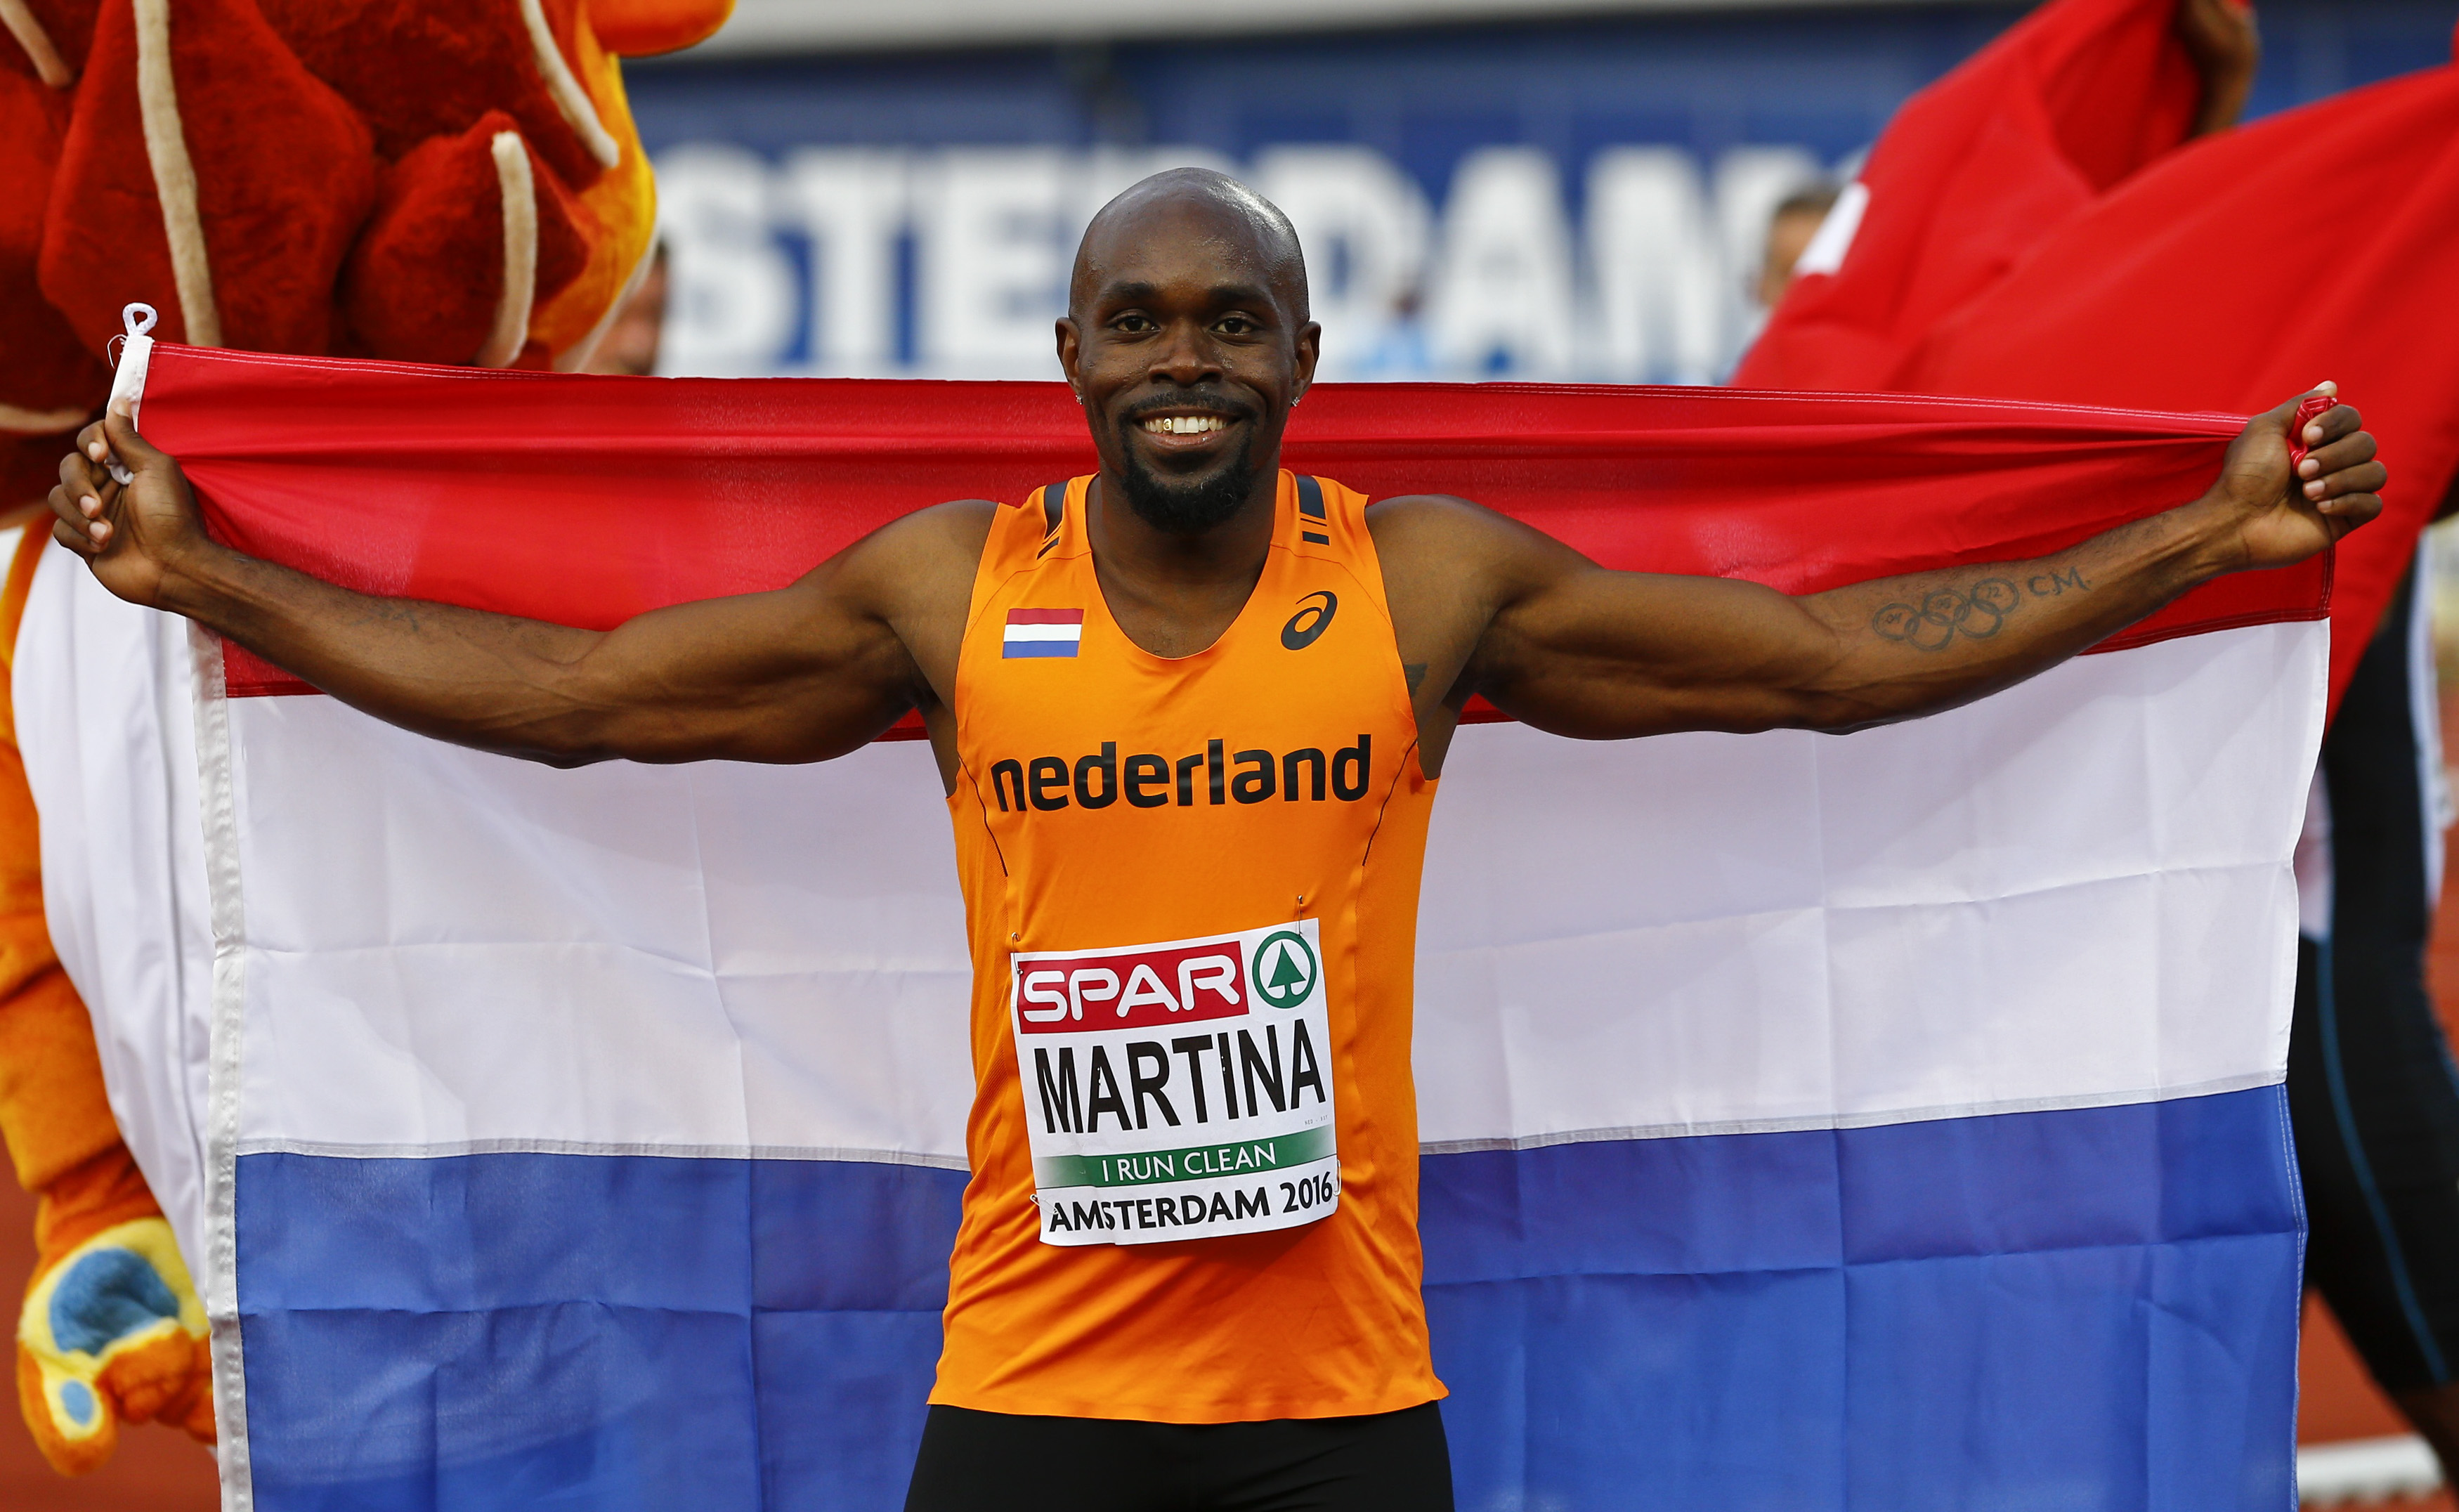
(1976, 611)
(2050, 585)
(402, 612)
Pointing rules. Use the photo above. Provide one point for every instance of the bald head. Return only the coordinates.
(1186, 340)
(1213, 213)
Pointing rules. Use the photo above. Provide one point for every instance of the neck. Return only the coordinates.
(1123, 543)
(1175, 593)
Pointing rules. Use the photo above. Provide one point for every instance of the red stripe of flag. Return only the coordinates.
(1046, 616)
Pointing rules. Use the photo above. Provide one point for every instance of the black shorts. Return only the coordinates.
(2371, 1089)
(982, 1461)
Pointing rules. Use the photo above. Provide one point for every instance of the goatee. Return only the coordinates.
(1188, 509)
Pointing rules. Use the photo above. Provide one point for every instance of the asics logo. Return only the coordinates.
(1309, 621)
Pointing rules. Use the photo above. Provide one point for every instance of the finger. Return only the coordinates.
(75, 498)
(2279, 417)
(2332, 423)
(2366, 477)
(2354, 510)
(72, 538)
(2337, 457)
(77, 473)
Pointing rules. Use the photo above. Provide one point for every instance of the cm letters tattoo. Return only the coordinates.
(1978, 611)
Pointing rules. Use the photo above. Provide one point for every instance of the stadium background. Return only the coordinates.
(892, 189)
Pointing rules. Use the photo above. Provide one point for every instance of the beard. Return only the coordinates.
(1194, 507)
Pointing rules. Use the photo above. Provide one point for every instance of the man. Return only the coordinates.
(1796, 218)
(1186, 702)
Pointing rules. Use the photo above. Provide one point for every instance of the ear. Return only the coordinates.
(1310, 350)
(1070, 354)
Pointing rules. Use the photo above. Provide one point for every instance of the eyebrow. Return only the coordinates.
(1136, 293)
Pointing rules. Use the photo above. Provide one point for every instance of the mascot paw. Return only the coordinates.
(112, 1332)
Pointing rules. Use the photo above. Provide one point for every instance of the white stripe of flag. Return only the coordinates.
(1043, 632)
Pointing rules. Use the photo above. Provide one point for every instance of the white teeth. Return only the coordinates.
(1184, 425)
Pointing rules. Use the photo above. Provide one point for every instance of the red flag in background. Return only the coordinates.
(1968, 177)
(2322, 242)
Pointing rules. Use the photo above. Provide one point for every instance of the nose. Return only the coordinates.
(1188, 357)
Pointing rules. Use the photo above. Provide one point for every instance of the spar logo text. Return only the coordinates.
(1265, 1062)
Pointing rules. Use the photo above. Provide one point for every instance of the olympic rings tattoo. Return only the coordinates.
(1978, 612)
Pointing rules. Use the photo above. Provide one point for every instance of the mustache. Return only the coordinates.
(1192, 402)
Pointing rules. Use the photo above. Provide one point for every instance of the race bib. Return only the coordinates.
(1180, 1091)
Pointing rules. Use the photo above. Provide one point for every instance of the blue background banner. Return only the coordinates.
(1581, 198)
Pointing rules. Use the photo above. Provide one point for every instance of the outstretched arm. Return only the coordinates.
(805, 673)
(1574, 648)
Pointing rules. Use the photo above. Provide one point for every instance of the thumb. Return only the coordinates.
(135, 453)
(2280, 419)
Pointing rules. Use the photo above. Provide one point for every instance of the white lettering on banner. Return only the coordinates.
(1660, 309)
(852, 204)
(1650, 287)
(1156, 1115)
(1502, 296)
(1365, 228)
(730, 298)
(991, 269)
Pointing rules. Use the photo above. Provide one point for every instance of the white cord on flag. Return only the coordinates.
(135, 351)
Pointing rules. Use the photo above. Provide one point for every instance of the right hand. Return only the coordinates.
(131, 536)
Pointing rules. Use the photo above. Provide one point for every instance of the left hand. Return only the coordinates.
(2268, 519)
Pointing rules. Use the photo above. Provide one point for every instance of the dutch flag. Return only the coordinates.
(1788, 1105)
(1043, 632)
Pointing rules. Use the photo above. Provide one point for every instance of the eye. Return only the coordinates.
(1134, 323)
(1237, 325)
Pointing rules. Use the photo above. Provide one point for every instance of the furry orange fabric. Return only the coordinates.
(481, 60)
(46, 359)
(52, 1104)
(297, 176)
(306, 175)
(423, 226)
(68, 23)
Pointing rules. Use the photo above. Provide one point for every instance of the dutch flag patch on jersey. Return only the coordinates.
(1043, 632)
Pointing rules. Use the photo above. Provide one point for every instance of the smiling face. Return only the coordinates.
(1188, 340)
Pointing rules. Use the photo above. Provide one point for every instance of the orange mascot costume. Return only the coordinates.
(428, 181)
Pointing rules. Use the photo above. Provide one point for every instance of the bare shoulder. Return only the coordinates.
(1408, 519)
(1441, 539)
(952, 531)
(927, 554)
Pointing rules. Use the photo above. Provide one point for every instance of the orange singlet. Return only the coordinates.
(1192, 886)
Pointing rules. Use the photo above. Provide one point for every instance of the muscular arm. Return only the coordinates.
(805, 673)
(1574, 648)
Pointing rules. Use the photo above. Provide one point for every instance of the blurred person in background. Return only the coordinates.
(630, 347)
(1796, 218)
